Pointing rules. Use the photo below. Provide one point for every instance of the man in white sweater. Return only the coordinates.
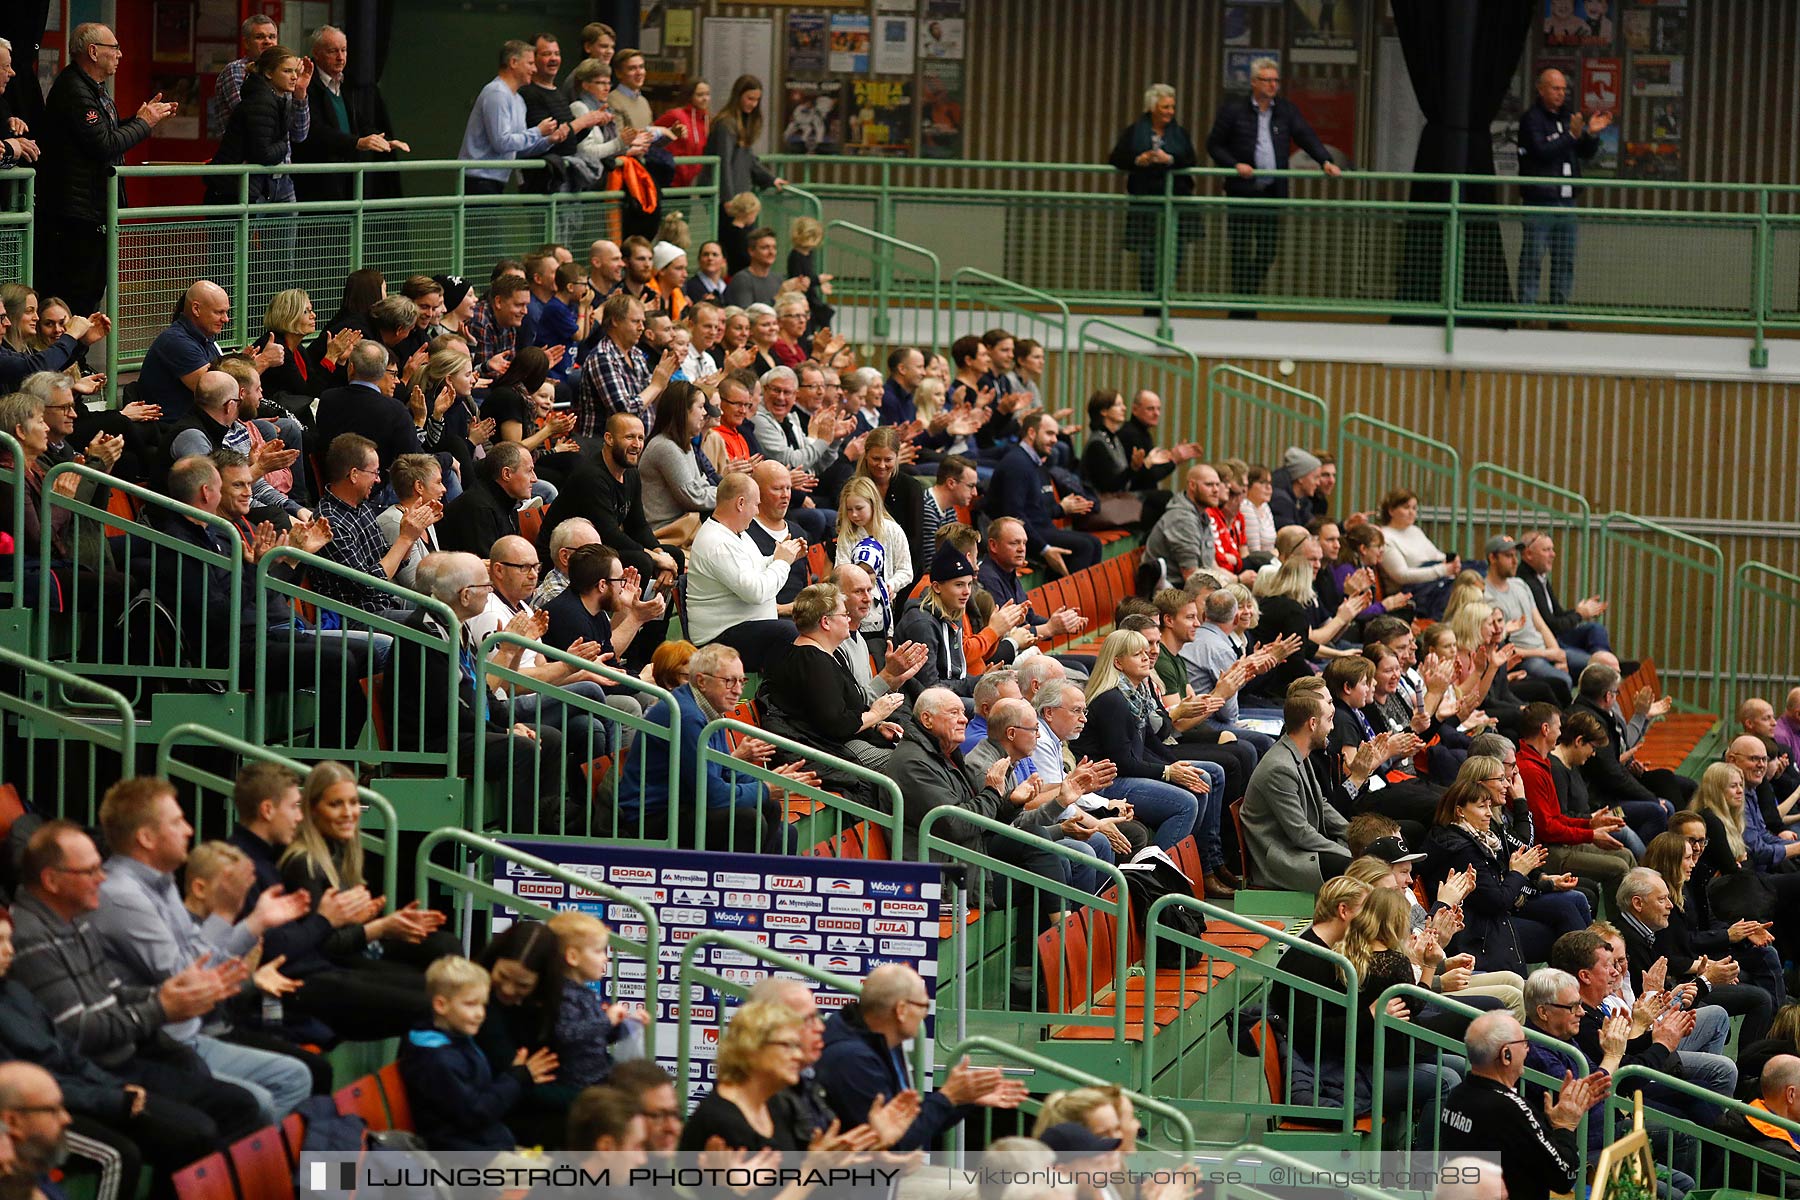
(732, 585)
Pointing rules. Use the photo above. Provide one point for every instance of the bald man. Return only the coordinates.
(1779, 1096)
(182, 354)
(1555, 138)
(775, 491)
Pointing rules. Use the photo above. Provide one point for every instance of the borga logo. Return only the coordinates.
(865, 907)
(676, 877)
(812, 904)
(890, 887)
(850, 945)
(896, 946)
(789, 883)
(841, 962)
(798, 941)
(838, 924)
(746, 900)
(544, 890)
(735, 879)
(726, 918)
(776, 920)
(841, 887)
(630, 875)
(902, 928)
(905, 908)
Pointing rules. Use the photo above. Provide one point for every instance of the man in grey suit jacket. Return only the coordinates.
(1295, 835)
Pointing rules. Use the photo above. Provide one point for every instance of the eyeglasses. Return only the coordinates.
(1574, 1006)
(528, 568)
(93, 872)
(611, 579)
(736, 681)
(37, 1108)
(783, 1043)
(1700, 842)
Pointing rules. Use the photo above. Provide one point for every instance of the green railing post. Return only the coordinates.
(1761, 284)
(892, 820)
(358, 228)
(459, 226)
(1455, 263)
(28, 247)
(1385, 440)
(240, 278)
(1304, 411)
(1167, 248)
(124, 743)
(114, 274)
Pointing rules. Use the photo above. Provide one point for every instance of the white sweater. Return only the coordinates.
(730, 581)
(1409, 556)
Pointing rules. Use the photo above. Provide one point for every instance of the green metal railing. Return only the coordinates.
(691, 978)
(255, 249)
(186, 635)
(1376, 456)
(1498, 500)
(1764, 625)
(589, 730)
(1420, 1046)
(1744, 1167)
(219, 788)
(1691, 256)
(18, 186)
(1172, 1118)
(1255, 418)
(1007, 935)
(58, 746)
(1237, 975)
(467, 882)
(1667, 591)
(1150, 363)
(900, 283)
(1258, 1173)
(980, 300)
(404, 719)
(832, 815)
(12, 572)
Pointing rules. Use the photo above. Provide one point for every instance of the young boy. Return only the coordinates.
(587, 1027)
(566, 316)
(457, 1100)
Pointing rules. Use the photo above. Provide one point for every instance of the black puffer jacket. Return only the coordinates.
(257, 134)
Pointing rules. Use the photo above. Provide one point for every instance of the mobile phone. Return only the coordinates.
(563, 404)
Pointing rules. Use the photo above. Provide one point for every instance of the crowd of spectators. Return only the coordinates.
(585, 450)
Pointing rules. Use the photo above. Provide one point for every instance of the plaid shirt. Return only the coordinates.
(612, 380)
(230, 89)
(356, 542)
(486, 337)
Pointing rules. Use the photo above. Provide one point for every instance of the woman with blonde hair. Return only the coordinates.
(805, 236)
(742, 211)
(791, 317)
(765, 331)
(1465, 589)
(303, 370)
(874, 541)
(450, 422)
(1093, 1108)
(1128, 725)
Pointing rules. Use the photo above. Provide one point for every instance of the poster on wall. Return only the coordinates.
(172, 32)
(942, 38)
(1237, 67)
(1635, 24)
(184, 92)
(893, 46)
(1670, 33)
(881, 118)
(1666, 121)
(806, 36)
(1323, 31)
(850, 43)
(941, 109)
(1657, 74)
(678, 28)
(1237, 26)
(1579, 23)
(1601, 82)
(946, 9)
(1653, 160)
(814, 112)
(1606, 158)
(1330, 108)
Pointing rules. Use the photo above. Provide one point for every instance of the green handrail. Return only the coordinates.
(1411, 1031)
(892, 820)
(1773, 623)
(426, 871)
(230, 560)
(1181, 365)
(357, 620)
(1513, 492)
(1119, 907)
(170, 767)
(1670, 1124)
(1441, 481)
(21, 217)
(880, 256)
(1240, 1180)
(1040, 312)
(12, 586)
(1672, 575)
(1268, 426)
(1143, 1101)
(514, 680)
(32, 709)
(690, 975)
(1156, 933)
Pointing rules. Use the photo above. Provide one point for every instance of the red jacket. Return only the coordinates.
(1554, 827)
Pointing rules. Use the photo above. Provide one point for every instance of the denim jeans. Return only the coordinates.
(1555, 231)
(1170, 812)
(279, 1083)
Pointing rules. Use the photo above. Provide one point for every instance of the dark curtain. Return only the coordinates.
(369, 28)
(622, 15)
(1461, 55)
